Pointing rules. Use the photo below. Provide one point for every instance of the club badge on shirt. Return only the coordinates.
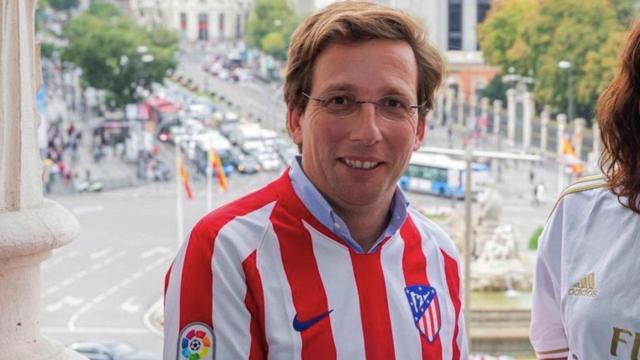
(425, 309)
(196, 342)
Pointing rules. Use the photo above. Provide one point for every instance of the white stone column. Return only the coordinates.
(597, 141)
(30, 226)
(497, 112)
(561, 120)
(440, 106)
(594, 156)
(511, 116)
(528, 110)
(448, 105)
(544, 128)
(561, 123)
(461, 119)
(484, 115)
(469, 24)
(577, 139)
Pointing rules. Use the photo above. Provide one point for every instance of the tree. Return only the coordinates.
(270, 26)
(116, 55)
(533, 36)
(64, 5)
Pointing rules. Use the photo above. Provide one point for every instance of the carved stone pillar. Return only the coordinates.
(544, 128)
(511, 116)
(29, 225)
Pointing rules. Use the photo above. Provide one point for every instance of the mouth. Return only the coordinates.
(360, 164)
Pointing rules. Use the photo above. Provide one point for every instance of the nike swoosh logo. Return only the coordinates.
(299, 325)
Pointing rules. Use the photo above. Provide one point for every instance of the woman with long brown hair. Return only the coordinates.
(587, 276)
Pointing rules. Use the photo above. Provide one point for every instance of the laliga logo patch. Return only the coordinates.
(425, 309)
(196, 342)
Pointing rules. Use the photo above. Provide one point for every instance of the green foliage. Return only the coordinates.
(111, 51)
(533, 239)
(63, 5)
(496, 90)
(47, 50)
(533, 36)
(270, 26)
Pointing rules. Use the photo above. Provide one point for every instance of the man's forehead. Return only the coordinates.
(377, 65)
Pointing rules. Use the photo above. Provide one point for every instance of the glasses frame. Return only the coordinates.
(413, 109)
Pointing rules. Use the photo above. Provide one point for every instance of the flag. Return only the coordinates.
(218, 171)
(184, 176)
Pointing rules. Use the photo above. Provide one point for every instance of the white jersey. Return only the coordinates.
(587, 278)
(262, 278)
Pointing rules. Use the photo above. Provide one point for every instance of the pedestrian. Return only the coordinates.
(328, 260)
(585, 293)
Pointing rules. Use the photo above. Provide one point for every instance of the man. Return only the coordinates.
(328, 261)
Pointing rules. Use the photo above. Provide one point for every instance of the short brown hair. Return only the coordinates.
(619, 119)
(355, 21)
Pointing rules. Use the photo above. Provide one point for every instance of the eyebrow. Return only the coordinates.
(387, 90)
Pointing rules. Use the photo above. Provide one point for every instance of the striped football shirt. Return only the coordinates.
(262, 278)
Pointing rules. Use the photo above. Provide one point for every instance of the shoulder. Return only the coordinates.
(581, 191)
(433, 232)
(248, 215)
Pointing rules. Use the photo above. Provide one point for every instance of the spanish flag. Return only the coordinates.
(218, 172)
(184, 176)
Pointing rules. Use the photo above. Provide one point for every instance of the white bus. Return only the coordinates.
(441, 175)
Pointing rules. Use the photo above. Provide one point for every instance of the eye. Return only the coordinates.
(339, 100)
(394, 103)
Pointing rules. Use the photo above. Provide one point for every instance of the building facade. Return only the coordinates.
(451, 26)
(195, 20)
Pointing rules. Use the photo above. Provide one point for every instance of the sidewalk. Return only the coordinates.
(111, 170)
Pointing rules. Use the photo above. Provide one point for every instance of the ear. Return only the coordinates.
(294, 124)
(420, 132)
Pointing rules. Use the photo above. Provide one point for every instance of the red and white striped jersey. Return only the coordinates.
(262, 278)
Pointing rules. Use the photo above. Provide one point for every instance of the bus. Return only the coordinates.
(441, 175)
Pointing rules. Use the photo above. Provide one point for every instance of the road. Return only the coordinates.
(105, 283)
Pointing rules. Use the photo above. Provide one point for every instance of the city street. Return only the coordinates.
(107, 285)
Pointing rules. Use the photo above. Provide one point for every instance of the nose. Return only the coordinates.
(366, 127)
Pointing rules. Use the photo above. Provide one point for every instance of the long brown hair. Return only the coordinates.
(619, 119)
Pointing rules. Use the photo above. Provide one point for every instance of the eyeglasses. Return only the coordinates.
(392, 108)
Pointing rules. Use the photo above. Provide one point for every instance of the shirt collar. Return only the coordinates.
(322, 211)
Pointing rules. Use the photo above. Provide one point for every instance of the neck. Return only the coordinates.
(365, 224)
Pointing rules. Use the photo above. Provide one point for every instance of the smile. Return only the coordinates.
(357, 164)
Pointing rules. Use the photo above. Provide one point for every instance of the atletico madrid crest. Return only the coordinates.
(425, 309)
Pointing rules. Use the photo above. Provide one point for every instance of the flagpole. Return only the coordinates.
(179, 213)
(209, 182)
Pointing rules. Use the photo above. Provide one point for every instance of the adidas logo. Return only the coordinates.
(585, 287)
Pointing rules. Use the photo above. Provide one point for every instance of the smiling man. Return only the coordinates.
(329, 261)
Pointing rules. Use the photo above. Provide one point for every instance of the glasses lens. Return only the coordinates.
(394, 109)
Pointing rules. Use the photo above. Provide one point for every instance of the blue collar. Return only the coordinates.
(321, 210)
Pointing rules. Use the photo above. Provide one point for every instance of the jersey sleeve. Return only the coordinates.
(547, 333)
(208, 308)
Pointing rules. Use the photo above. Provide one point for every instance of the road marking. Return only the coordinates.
(58, 259)
(81, 210)
(69, 300)
(71, 325)
(82, 273)
(64, 330)
(154, 309)
(130, 305)
(99, 254)
(156, 250)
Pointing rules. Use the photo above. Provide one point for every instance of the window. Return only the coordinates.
(221, 25)
(183, 22)
(455, 25)
(239, 26)
(203, 27)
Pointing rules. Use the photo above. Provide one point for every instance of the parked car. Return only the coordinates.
(99, 350)
(248, 165)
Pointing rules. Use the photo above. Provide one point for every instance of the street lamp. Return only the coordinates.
(566, 65)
